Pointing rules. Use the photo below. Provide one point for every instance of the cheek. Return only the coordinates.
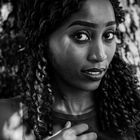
(72, 59)
(66, 53)
(110, 52)
(68, 64)
(57, 50)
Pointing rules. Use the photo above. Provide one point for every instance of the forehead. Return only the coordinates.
(96, 11)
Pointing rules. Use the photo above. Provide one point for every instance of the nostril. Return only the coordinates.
(102, 57)
(97, 51)
(95, 57)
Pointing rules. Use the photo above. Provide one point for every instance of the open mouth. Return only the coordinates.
(94, 73)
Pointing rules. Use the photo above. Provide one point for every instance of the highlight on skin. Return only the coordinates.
(38, 84)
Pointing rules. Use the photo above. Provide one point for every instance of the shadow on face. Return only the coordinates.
(82, 49)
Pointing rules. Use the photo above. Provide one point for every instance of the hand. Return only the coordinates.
(73, 133)
(14, 129)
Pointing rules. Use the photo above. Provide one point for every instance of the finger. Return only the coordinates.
(14, 121)
(71, 133)
(78, 129)
(68, 124)
(89, 136)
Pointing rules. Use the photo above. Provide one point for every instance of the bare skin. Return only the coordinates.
(91, 47)
(74, 133)
(75, 47)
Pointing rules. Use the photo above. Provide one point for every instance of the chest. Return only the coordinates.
(59, 121)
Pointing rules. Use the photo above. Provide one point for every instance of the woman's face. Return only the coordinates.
(82, 49)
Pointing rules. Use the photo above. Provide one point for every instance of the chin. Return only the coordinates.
(91, 86)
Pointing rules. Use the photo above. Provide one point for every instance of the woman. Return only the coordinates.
(75, 85)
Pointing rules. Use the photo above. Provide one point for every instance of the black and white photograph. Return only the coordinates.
(69, 70)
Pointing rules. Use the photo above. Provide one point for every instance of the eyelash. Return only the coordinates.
(88, 36)
(113, 33)
(82, 34)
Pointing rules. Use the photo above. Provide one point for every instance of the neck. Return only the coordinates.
(72, 100)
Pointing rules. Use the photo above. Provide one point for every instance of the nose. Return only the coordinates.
(97, 52)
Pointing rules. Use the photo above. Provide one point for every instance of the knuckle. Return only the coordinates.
(92, 136)
(85, 137)
(69, 134)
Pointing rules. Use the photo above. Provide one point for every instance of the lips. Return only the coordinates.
(94, 73)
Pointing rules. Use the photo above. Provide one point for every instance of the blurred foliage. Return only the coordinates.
(131, 49)
(12, 43)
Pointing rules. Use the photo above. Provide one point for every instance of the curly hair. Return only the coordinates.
(117, 102)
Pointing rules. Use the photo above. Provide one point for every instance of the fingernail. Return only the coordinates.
(68, 124)
(85, 125)
(95, 135)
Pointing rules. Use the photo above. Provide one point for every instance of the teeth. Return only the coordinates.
(94, 73)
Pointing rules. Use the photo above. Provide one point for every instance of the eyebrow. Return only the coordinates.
(89, 24)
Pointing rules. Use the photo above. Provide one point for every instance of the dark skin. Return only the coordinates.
(79, 46)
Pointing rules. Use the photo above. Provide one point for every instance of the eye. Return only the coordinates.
(81, 36)
(109, 36)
